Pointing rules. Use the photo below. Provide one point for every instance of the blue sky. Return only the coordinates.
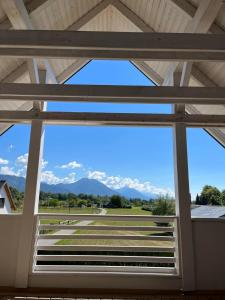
(140, 158)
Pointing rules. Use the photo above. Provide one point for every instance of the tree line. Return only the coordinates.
(210, 195)
(47, 199)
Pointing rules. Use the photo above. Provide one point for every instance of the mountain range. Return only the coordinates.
(83, 185)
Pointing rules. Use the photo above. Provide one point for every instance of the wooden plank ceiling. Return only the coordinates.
(115, 15)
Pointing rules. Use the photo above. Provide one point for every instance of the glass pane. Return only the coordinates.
(14, 145)
(106, 72)
(206, 172)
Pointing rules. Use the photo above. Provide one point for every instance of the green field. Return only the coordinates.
(110, 211)
(118, 211)
(90, 210)
(74, 210)
(127, 211)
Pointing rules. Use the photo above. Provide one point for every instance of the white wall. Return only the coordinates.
(9, 236)
(6, 209)
(106, 281)
(209, 249)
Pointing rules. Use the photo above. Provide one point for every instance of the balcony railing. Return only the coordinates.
(106, 243)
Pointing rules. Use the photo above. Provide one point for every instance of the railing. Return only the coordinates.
(106, 243)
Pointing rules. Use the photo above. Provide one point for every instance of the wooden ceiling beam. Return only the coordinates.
(115, 45)
(112, 119)
(200, 23)
(77, 65)
(143, 66)
(20, 19)
(112, 94)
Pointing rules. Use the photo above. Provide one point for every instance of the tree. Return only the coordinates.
(116, 201)
(210, 195)
(72, 203)
(81, 203)
(164, 206)
(197, 200)
(62, 197)
(17, 196)
(53, 202)
(222, 197)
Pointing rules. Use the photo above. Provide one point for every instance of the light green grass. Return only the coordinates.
(50, 221)
(127, 211)
(118, 211)
(62, 210)
(57, 221)
(116, 243)
(123, 223)
(111, 211)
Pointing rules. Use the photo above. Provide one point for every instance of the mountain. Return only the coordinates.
(131, 193)
(84, 185)
(14, 181)
(90, 186)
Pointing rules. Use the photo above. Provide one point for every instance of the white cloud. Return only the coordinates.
(44, 163)
(50, 178)
(98, 175)
(23, 160)
(22, 172)
(8, 171)
(71, 178)
(71, 165)
(3, 161)
(117, 182)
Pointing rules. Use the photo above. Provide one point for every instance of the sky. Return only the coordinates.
(140, 158)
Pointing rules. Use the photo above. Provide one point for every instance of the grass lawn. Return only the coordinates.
(59, 210)
(123, 223)
(62, 210)
(115, 243)
(110, 211)
(90, 210)
(127, 211)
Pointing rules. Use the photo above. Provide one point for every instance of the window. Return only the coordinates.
(14, 145)
(108, 72)
(2, 202)
(101, 183)
(206, 174)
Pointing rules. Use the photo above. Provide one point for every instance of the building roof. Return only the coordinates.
(113, 15)
(3, 184)
(208, 211)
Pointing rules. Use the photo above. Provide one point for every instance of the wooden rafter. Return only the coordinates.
(112, 119)
(116, 45)
(113, 94)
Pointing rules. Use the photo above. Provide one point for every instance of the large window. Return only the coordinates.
(206, 174)
(83, 167)
(109, 183)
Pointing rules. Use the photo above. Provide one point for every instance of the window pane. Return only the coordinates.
(14, 145)
(206, 172)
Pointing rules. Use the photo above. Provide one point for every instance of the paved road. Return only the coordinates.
(51, 242)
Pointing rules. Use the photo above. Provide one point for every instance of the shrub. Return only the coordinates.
(164, 206)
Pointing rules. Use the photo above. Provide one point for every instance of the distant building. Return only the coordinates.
(6, 202)
(208, 211)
